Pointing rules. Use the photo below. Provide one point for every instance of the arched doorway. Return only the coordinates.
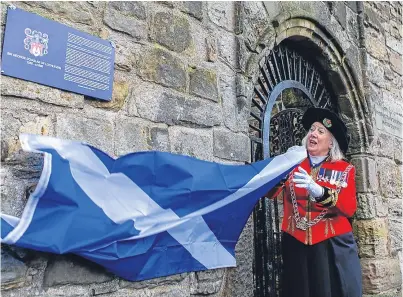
(290, 80)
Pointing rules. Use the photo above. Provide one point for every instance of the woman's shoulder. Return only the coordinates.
(340, 164)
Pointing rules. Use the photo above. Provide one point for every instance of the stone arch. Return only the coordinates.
(343, 78)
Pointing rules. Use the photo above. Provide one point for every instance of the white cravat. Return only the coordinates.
(316, 159)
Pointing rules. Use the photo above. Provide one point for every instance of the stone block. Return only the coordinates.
(255, 22)
(390, 178)
(395, 60)
(156, 282)
(235, 108)
(340, 13)
(203, 83)
(98, 132)
(195, 143)
(380, 275)
(134, 135)
(394, 44)
(25, 89)
(76, 12)
(376, 72)
(398, 150)
(273, 8)
(372, 19)
(74, 270)
(365, 174)
(352, 5)
(193, 8)
(119, 95)
(171, 31)
(240, 279)
(159, 105)
(13, 272)
(130, 8)
(395, 234)
(371, 206)
(231, 146)
(206, 282)
(376, 45)
(160, 66)
(372, 238)
(211, 48)
(222, 14)
(227, 48)
(118, 17)
(383, 145)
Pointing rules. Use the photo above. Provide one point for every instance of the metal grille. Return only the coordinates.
(287, 85)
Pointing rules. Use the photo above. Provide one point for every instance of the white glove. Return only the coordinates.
(303, 180)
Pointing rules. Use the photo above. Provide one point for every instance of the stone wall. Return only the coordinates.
(184, 75)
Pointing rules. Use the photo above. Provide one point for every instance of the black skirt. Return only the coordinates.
(330, 268)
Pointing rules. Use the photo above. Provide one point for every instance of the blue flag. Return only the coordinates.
(143, 215)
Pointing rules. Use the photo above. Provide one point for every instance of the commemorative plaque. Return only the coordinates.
(50, 53)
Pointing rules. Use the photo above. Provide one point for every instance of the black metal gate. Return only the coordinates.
(287, 85)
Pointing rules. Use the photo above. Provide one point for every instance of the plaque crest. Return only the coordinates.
(36, 42)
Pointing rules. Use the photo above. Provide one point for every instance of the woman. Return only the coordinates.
(319, 252)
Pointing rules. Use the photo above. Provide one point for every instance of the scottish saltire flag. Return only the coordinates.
(143, 215)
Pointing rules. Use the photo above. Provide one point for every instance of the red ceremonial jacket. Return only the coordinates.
(339, 206)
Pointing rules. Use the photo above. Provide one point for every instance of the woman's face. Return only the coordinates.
(319, 140)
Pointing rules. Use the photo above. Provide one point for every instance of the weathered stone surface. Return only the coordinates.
(195, 143)
(340, 13)
(352, 5)
(396, 62)
(206, 282)
(383, 146)
(372, 19)
(231, 146)
(240, 278)
(119, 95)
(126, 17)
(98, 132)
(273, 8)
(372, 238)
(135, 134)
(222, 14)
(376, 72)
(371, 206)
(389, 175)
(130, 8)
(376, 46)
(255, 22)
(398, 151)
(235, 108)
(171, 31)
(365, 174)
(12, 272)
(380, 275)
(394, 44)
(193, 8)
(19, 88)
(211, 49)
(156, 282)
(159, 105)
(203, 83)
(227, 45)
(161, 67)
(74, 11)
(395, 233)
(74, 270)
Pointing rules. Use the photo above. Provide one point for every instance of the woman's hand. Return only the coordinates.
(303, 180)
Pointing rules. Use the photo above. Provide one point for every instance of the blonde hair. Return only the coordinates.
(335, 152)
